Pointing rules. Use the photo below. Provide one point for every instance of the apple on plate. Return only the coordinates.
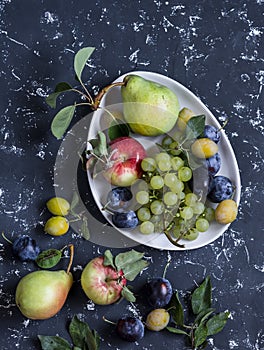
(124, 163)
(102, 284)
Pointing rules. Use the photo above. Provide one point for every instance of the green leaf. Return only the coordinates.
(84, 229)
(80, 60)
(176, 331)
(48, 258)
(128, 294)
(53, 343)
(102, 146)
(131, 270)
(217, 323)
(122, 259)
(202, 296)
(60, 88)
(74, 202)
(109, 259)
(176, 310)
(195, 127)
(203, 315)
(82, 336)
(200, 335)
(117, 130)
(61, 121)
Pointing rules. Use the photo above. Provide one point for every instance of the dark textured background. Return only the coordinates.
(215, 48)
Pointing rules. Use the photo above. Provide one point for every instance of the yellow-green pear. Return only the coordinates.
(150, 108)
(41, 294)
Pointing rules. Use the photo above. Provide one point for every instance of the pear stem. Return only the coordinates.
(71, 247)
(101, 94)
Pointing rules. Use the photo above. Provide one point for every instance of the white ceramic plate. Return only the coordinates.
(228, 168)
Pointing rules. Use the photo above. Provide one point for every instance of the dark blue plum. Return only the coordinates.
(126, 219)
(220, 188)
(25, 248)
(130, 329)
(211, 132)
(213, 164)
(119, 197)
(159, 292)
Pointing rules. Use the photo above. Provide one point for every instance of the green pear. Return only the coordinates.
(41, 294)
(149, 108)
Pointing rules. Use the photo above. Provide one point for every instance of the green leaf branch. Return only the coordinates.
(63, 118)
(83, 338)
(206, 321)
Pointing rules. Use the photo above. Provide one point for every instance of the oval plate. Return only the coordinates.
(229, 165)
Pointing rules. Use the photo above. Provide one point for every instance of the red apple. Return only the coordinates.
(102, 284)
(124, 166)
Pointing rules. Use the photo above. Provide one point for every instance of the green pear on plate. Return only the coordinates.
(149, 108)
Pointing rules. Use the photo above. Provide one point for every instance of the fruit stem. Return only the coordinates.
(166, 268)
(8, 240)
(71, 247)
(108, 321)
(101, 94)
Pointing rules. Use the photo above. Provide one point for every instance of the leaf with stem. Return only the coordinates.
(216, 323)
(49, 258)
(82, 336)
(200, 335)
(61, 121)
(176, 331)
(53, 343)
(202, 296)
(59, 89)
(109, 259)
(128, 294)
(176, 310)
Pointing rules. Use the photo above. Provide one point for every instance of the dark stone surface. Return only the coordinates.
(215, 48)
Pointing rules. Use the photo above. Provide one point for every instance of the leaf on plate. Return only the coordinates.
(102, 145)
(128, 294)
(109, 259)
(176, 309)
(117, 130)
(80, 60)
(61, 121)
(85, 229)
(48, 258)
(74, 202)
(60, 88)
(217, 322)
(53, 343)
(195, 127)
(202, 296)
(82, 336)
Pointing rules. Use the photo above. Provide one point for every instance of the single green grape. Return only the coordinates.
(164, 165)
(191, 235)
(142, 197)
(156, 182)
(170, 198)
(198, 208)
(148, 164)
(186, 213)
(177, 163)
(209, 214)
(162, 156)
(202, 225)
(155, 219)
(143, 214)
(147, 227)
(166, 141)
(190, 199)
(177, 187)
(157, 207)
(185, 174)
(170, 179)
